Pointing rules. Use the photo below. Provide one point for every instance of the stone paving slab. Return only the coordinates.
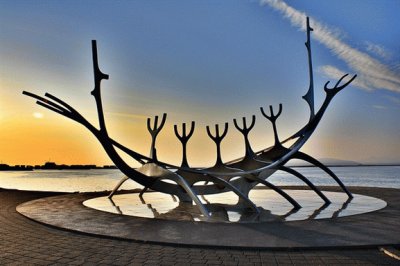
(25, 242)
(379, 228)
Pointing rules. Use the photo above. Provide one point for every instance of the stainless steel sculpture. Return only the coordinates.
(238, 176)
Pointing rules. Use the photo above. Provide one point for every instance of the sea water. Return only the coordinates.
(101, 179)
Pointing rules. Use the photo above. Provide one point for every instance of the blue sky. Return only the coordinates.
(208, 61)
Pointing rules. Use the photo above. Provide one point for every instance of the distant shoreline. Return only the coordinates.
(346, 165)
(54, 166)
(4, 167)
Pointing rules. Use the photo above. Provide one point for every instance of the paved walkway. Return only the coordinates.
(23, 241)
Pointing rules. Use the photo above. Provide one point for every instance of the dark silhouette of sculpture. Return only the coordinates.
(238, 176)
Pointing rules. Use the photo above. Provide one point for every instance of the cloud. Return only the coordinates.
(393, 99)
(372, 73)
(378, 50)
(127, 115)
(333, 73)
(381, 107)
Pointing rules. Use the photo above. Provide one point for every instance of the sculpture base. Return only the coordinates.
(223, 206)
(369, 229)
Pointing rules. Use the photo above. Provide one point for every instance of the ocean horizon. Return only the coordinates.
(105, 179)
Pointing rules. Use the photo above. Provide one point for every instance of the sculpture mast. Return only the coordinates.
(309, 96)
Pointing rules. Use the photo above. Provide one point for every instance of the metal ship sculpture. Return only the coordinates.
(239, 176)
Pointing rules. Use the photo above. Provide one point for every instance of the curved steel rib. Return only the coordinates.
(295, 204)
(221, 181)
(308, 158)
(305, 180)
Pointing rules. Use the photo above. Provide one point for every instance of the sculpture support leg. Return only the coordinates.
(305, 180)
(237, 192)
(295, 204)
(142, 192)
(182, 182)
(308, 158)
(115, 206)
(192, 195)
(117, 186)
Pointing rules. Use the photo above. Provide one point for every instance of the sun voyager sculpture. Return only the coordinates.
(239, 176)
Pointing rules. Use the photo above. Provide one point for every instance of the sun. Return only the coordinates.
(38, 115)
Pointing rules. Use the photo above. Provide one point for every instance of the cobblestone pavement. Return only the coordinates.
(25, 242)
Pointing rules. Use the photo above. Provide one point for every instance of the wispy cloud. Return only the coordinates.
(381, 107)
(372, 73)
(393, 99)
(127, 115)
(378, 50)
(333, 73)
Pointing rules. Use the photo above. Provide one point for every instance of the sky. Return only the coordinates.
(207, 61)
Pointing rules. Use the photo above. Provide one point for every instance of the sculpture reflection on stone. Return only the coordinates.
(239, 176)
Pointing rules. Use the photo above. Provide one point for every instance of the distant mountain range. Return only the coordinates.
(336, 162)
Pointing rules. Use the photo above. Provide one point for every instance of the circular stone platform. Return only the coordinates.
(272, 206)
(369, 229)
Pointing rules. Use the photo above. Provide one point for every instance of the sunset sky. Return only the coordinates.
(208, 61)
